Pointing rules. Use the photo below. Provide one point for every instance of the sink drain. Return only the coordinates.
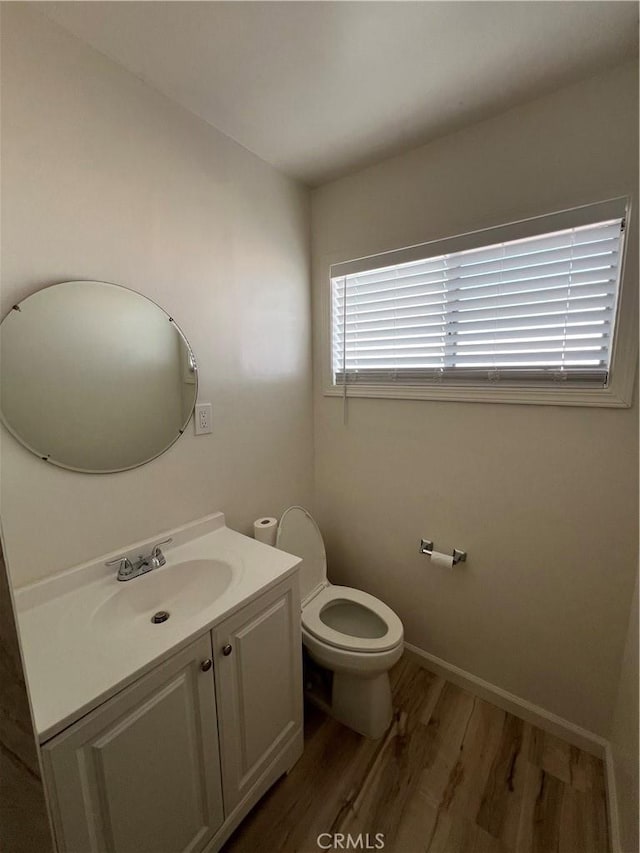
(160, 616)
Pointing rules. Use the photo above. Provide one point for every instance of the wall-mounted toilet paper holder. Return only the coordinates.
(426, 547)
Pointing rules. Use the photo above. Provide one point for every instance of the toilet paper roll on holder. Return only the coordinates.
(426, 547)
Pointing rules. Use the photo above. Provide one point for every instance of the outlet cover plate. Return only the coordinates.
(203, 418)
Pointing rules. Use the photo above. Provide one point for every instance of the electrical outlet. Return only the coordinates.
(203, 418)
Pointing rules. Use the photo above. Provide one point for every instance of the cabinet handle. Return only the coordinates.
(226, 650)
(205, 666)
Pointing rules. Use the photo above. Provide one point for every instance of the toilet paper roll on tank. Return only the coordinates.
(265, 530)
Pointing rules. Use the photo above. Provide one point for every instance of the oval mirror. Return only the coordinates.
(94, 377)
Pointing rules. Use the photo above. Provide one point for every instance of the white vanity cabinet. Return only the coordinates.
(141, 773)
(258, 656)
(173, 762)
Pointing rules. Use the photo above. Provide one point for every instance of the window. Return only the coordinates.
(528, 305)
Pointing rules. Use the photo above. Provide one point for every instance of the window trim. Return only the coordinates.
(618, 393)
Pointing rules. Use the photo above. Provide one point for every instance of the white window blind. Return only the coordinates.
(538, 309)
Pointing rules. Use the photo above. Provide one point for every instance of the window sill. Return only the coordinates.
(514, 394)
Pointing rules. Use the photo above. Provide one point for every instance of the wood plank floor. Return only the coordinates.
(454, 774)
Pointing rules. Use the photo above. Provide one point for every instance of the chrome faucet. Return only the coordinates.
(127, 570)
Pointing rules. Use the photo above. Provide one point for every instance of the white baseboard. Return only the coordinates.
(612, 801)
(573, 734)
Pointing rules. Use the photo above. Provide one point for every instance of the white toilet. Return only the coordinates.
(347, 631)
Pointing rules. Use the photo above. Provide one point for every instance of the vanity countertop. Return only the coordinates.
(85, 635)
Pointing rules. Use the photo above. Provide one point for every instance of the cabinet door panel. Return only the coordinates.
(259, 688)
(141, 773)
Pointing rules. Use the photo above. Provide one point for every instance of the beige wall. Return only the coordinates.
(104, 178)
(543, 498)
(624, 736)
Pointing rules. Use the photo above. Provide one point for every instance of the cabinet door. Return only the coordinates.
(141, 774)
(258, 655)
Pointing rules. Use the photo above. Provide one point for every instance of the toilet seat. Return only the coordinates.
(298, 534)
(378, 629)
(313, 623)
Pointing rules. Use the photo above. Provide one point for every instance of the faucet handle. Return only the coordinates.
(155, 551)
(125, 566)
(157, 558)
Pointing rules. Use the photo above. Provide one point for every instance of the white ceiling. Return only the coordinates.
(319, 89)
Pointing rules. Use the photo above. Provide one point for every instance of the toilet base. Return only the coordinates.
(352, 687)
(362, 704)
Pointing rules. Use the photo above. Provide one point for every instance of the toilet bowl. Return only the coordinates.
(345, 630)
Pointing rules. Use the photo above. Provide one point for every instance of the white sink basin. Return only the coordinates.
(86, 635)
(183, 590)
